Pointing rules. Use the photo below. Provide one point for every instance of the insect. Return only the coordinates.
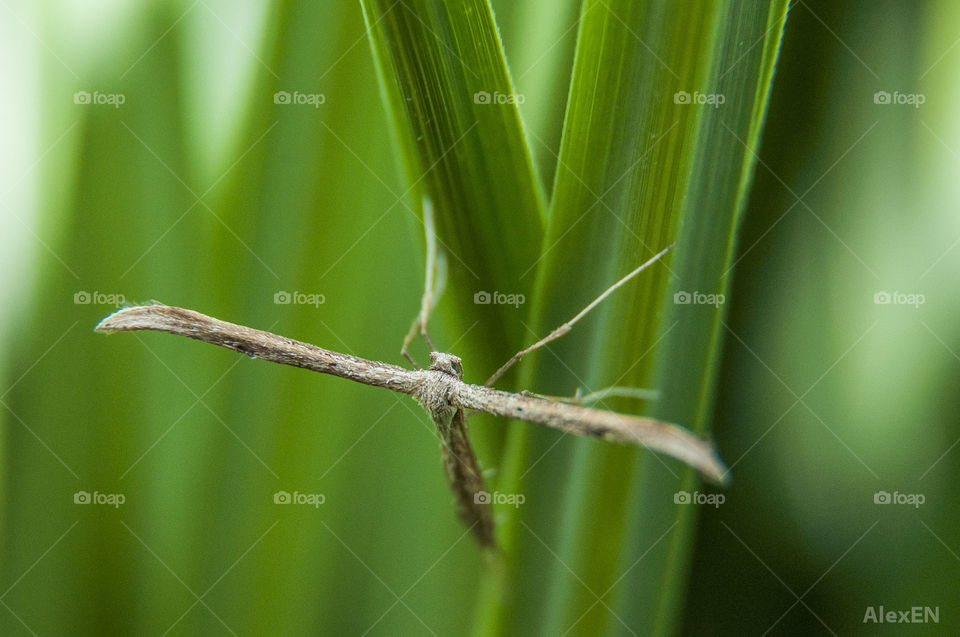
(440, 389)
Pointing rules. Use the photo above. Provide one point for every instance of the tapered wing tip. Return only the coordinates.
(719, 474)
(125, 319)
(714, 469)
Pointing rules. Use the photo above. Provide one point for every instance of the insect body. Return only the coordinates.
(442, 393)
(440, 388)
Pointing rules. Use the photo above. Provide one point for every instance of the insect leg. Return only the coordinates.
(435, 278)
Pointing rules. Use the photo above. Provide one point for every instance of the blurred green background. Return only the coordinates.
(199, 191)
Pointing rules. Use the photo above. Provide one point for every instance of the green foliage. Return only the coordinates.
(635, 164)
(307, 198)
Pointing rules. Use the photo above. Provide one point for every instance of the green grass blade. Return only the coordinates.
(67, 417)
(437, 60)
(670, 170)
(540, 56)
(724, 162)
(293, 207)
